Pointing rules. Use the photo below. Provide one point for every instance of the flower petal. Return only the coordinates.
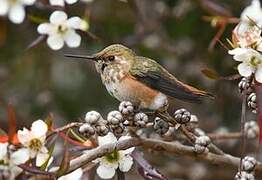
(258, 74)
(57, 2)
(3, 150)
(46, 28)
(237, 51)
(253, 12)
(74, 22)
(3, 7)
(259, 46)
(28, 2)
(55, 42)
(20, 156)
(15, 170)
(71, 1)
(58, 17)
(129, 150)
(76, 175)
(41, 158)
(24, 136)
(72, 39)
(105, 172)
(244, 69)
(126, 163)
(39, 128)
(17, 13)
(109, 138)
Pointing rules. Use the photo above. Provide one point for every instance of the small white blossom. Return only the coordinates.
(250, 37)
(201, 144)
(118, 159)
(61, 2)
(10, 160)
(61, 29)
(249, 163)
(92, 117)
(14, 9)
(76, 175)
(33, 141)
(251, 62)
(251, 129)
(243, 175)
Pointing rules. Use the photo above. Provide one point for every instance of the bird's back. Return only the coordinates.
(155, 76)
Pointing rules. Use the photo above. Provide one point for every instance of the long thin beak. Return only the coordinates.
(93, 58)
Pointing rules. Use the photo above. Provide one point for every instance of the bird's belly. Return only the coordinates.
(129, 89)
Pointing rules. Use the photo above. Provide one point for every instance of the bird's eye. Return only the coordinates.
(111, 58)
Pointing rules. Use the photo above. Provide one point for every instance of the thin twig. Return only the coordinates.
(243, 121)
(225, 136)
(71, 125)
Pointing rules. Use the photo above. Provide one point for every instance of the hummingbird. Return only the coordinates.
(140, 80)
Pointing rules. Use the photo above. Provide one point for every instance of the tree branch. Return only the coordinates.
(158, 145)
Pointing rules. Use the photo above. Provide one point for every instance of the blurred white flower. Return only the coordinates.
(251, 129)
(61, 29)
(33, 141)
(76, 175)
(251, 62)
(10, 160)
(247, 32)
(14, 9)
(253, 12)
(87, 1)
(117, 159)
(61, 2)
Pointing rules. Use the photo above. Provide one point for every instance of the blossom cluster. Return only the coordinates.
(247, 42)
(59, 31)
(32, 148)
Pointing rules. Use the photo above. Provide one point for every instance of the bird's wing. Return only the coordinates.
(155, 76)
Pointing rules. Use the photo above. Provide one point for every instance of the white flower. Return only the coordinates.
(251, 62)
(247, 32)
(15, 9)
(9, 161)
(76, 175)
(117, 159)
(60, 30)
(3, 151)
(252, 12)
(61, 2)
(33, 141)
(251, 37)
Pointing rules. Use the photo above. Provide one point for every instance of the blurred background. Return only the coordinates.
(39, 81)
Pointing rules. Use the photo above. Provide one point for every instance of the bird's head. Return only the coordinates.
(115, 54)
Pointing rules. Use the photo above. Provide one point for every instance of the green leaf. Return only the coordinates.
(76, 136)
(66, 160)
(36, 19)
(49, 120)
(50, 152)
(2, 132)
(230, 43)
(210, 74)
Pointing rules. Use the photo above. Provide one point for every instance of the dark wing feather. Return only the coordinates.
(156, 77)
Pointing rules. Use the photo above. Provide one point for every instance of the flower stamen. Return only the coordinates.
(35, 144)
(113, 157)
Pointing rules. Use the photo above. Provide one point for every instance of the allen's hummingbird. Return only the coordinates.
(140, 80)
